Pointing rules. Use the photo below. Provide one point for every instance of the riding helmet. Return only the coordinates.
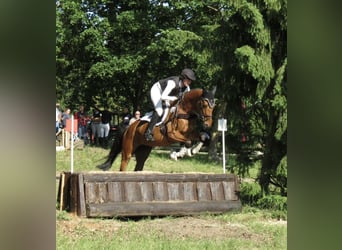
(188, 73)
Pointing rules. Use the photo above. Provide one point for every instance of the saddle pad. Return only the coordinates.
(147, 117)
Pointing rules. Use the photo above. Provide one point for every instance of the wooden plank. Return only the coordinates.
(115, 191)
(132, 192)
(190, 193)
(73, 193)
(160, 191)
(230, 191)
(90, 193)
(175, 191)
(160, 208)
(64, 191)
(150, 177)
(81, 208)
(60, 196)
(102, 195)
(217, 192)
(146, 190)
(203, 191)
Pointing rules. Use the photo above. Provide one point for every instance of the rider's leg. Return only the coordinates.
(165, 114)
(157, 103)
(149, 134)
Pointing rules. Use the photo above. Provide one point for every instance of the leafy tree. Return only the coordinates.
(109, 53)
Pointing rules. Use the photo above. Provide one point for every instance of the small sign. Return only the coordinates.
(222, 125)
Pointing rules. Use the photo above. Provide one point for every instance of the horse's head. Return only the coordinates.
(200, 103)
(206, 106)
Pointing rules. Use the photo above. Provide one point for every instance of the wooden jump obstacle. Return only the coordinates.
(110, 194)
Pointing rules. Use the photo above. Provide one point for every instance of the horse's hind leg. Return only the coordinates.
(124, 162)
(141, 155)
(126, 155)
(127, 148)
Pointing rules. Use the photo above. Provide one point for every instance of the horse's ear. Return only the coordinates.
(214, 90)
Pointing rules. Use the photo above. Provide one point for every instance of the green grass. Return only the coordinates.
(250, 228)
(87, 159)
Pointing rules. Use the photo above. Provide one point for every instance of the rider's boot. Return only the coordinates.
(105, 142)
(149, 133)
(101, 141)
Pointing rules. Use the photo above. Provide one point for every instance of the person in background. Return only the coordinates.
(58, 118)
(82, 119)
(135, 117)
(126, 116)
(165, 91)
(58, 122)
(95, 126)
(106, 117)
(65, 116)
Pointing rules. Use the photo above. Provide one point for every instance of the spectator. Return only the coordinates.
(136, 117)
(82, 119)
(126, 116)
(58, 118)
(106, 117)
(65, 116)
(95, 126)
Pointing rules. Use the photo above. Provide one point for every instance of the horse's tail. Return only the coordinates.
(114, 151)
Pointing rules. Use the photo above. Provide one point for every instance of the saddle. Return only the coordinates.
(168, 124)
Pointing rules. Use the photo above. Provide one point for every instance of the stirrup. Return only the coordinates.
(149, 137)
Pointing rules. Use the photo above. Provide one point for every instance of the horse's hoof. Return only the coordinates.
(173, 156)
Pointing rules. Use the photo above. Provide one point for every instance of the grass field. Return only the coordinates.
(87, 158)
(250, 228)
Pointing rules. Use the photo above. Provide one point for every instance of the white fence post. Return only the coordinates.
(222, 126)
(72, 144)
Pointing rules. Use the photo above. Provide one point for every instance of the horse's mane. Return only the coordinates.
(193, 93)
(200, 93)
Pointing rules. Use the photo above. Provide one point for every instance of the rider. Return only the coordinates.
(166, 90)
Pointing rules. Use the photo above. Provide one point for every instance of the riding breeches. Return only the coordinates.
(156, 93)
(104, 129)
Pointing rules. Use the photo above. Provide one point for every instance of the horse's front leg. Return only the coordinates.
(141, 154)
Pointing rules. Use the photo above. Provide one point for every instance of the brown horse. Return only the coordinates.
(193, 114)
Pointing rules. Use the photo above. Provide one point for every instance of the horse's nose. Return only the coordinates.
(205, 125)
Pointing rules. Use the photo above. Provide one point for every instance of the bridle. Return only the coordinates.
(201, 116)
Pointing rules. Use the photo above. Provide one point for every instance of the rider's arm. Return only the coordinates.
(165, 95)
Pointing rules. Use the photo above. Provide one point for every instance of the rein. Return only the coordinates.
(186, 116)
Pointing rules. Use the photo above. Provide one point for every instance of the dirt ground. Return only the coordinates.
(194, 227)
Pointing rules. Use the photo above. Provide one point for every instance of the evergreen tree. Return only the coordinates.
(109, 53)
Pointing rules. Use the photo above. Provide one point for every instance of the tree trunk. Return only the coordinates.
(212, 151)
(275, 150)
